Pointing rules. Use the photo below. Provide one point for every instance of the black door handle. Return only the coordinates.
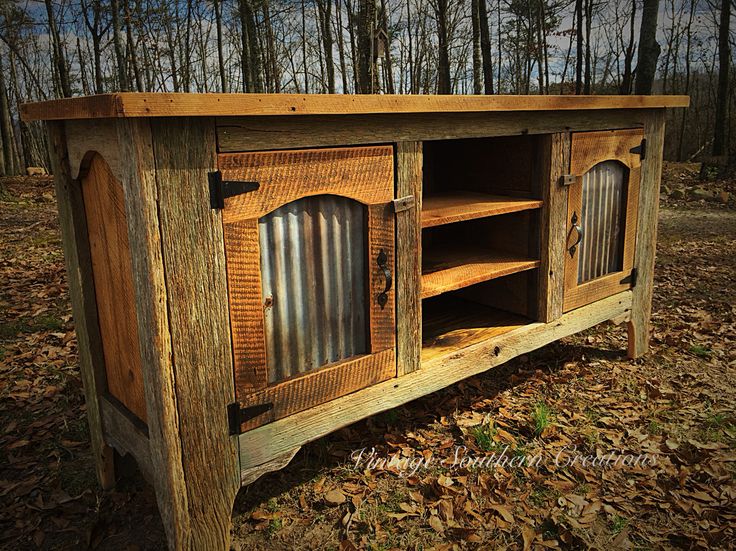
(578, 228)
(382, 262)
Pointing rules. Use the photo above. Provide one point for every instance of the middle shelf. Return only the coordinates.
(458, 206)
(454, 267)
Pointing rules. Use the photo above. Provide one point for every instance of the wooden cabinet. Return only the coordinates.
(603, 202)
(309, 248)
(296, 263)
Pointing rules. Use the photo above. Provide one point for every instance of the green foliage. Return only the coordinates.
(541, 417)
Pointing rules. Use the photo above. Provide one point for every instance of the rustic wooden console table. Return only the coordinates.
(251, 272)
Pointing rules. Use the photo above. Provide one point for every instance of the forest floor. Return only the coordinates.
(677, 405)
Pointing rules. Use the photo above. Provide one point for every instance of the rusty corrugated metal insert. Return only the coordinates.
(602, 221)
(313, 266)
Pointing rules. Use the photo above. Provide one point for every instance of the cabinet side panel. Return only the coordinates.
(646, 238)
(194, 266)
(81, 291)
(554, 221)
(408, 258)
(107, 227)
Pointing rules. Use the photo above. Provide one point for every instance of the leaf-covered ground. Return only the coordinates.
(677, 406)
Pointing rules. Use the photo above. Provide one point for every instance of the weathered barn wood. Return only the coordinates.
(251, 272)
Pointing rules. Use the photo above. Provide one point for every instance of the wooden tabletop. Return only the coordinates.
(132, 104)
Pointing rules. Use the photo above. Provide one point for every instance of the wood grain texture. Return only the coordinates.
(556, 159)
(85, 137)
(130, 104)
(248, 476)
(408, 258)
(274, 439)
(236, 134)
(589, 149)
(82, 294)
(381, 237)
(359, 173)
(646, 240)
(144, 236)
(320, 386)
(450, 269)
(107, 230)
(451, 324)
(194, 267)
(242, 251)
(127, 436)
(446, 208)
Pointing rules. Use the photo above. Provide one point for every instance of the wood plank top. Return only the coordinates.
(446, 208)
(134, 104)
(448, 270)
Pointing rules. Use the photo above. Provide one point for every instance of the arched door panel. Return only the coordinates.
(602, 215)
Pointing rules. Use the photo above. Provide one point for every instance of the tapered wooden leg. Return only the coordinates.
(646, 235)
(82, 294)
(638, 332)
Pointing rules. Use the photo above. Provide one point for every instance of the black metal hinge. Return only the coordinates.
(640, 149)
(631, 278)
(222, 189)
(237, 415)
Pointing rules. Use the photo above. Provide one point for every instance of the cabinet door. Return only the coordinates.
(602, 214)
(310, 267)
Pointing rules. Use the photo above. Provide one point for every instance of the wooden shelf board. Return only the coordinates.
(446, 208)
(450, 324)
(451, 269)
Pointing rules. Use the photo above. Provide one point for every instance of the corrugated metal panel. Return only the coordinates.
(313, 273)
(602, 221)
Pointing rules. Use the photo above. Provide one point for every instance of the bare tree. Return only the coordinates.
(724, 62)
(646, 64)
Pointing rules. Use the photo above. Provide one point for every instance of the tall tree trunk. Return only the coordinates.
(6, 128)
(485, 47)
(646, 64)
(410, 54)
(271, 56)
(444, 85)
(25, 137)
(58, 49)
(579, 50)
(324, 10)
(132, 49)
(352, 32)
(341, 47)
(724, 61)
(688, 46)
(365, 27)
(587, 89)
(117, 40)
(304, 47)
(220, 56)
(388, 76)
(477, 56)
(251, 58)
(625, 87)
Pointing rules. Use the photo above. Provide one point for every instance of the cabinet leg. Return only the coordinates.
(205, 524)
(638, 330)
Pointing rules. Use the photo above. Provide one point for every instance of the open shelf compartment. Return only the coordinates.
(451, 323)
